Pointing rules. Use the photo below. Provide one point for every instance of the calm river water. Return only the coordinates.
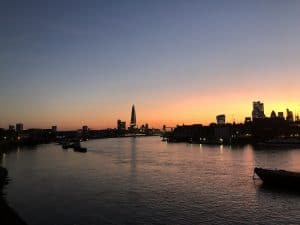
(146, 181)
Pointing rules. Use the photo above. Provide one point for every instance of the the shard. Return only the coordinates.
(133, 118)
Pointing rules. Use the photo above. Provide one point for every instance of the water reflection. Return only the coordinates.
(145, 181)
(3, 159)
(277, 191)
(221, 149)
(133, 158)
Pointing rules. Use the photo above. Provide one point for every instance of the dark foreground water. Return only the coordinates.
(146, 181)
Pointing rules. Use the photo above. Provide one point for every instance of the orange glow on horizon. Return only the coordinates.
(171, 108)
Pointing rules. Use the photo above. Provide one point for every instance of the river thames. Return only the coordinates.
(147, 181)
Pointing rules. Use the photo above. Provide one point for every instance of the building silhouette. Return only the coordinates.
(133, 118)
(19, 127)
(54, 129)
(121, 125)
(220, 119)
(85, 129)
(280, 115)
(258, 110)
(289, 116)
(273, 114)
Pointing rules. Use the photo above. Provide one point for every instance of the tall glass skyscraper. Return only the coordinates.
(133, 118)
(258, 110)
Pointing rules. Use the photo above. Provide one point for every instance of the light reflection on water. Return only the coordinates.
(146, 181)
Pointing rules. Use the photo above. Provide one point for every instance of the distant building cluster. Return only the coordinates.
(256, 129)
(259, 127)
(16, 134)
(133, 127)
(258, 113)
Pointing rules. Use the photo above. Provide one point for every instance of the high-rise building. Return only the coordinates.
(121, 125)
(85, 129)
(11, 127)
(144, 128)
(280, 115)
(273, 114)
(54, 129)
(258, 110)
(19, 127)
(289, 115)
(133, 118)
(220, 119)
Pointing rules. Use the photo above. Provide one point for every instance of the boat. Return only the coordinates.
(77, 147)
(67, 145)
(278, 178)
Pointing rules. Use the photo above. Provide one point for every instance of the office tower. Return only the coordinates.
(121, 125)
(280, 115)
(54, 129)
(220, 119)
(19, 127)
(258, 110)
(289, 115)
(133, 118)
(85, 129)
(273, 114)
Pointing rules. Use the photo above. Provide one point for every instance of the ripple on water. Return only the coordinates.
(146, 181)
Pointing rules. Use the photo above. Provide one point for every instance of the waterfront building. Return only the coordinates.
(19, 127)
(220, 119)
(85, 129)
(222, 134)
(54, 129)
(289, 116)
(142, 128)
(258, 110)
(11, 127)
(121, 125)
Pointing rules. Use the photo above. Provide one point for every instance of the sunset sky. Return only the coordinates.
(71, 63)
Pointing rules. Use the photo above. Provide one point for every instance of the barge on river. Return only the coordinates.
(279, 178)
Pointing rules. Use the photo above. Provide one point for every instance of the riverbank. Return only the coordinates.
(7, 215)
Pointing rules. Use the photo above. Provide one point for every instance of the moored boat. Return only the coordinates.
(67, 145)
(279, 178)
(77, 147)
